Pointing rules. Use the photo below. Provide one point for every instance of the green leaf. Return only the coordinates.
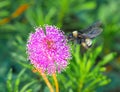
(29, 90)
(97, 51)
(4, 3)
(17, 82)
(107, 59)
(39, 16)
(76, 53)
(104, 82)
(85, 6)
(88, 5)
(88, 66)
(50, 14)
(27, 85)
(9, 81)
(30, 17)
(4, 13)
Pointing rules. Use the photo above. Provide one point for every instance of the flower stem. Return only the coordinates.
(46, 80)
(56, 82)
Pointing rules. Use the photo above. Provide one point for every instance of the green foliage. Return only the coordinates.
(14, 87)
(86, 73)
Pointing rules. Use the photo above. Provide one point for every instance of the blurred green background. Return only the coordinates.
(19, 17)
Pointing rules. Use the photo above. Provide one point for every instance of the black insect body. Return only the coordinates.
(85, 39)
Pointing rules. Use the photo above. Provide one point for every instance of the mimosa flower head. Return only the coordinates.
(48, 50)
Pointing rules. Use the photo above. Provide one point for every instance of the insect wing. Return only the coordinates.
(95, 25)
(93, 30)
(93, 33)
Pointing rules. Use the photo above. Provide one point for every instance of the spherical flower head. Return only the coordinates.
(48, 50)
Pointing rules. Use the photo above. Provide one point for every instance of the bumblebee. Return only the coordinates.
(85, 39)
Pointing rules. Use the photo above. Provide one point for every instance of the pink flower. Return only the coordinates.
(48, 50)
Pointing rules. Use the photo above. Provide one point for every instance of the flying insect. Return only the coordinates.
(85, 39)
